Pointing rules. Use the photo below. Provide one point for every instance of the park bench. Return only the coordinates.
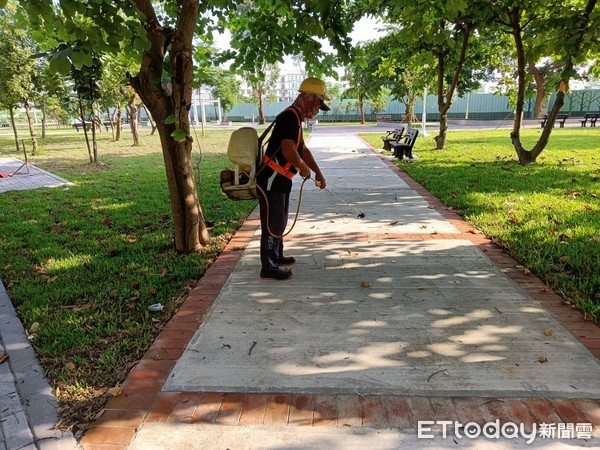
(392, 136)
(404, 148)
(592, 117)
(383, 117)
(78, 125)
(560, 119)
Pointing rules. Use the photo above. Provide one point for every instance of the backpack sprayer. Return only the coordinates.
(246, 150)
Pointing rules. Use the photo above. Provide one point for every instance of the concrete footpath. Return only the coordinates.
(407, 315)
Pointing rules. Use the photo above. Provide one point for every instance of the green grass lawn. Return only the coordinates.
(83, 263)
(547, 215)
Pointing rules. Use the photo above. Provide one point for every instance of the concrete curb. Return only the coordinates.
(29, 409)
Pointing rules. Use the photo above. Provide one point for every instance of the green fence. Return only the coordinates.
(471, 106)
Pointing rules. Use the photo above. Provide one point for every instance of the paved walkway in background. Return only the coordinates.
(18, 176)
(411, 290)
(407, 315)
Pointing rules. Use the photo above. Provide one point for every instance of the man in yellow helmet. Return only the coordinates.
(285, 156)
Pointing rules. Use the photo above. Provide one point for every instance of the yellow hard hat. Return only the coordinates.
(314, 85)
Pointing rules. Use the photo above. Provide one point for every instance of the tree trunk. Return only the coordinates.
(94, 140)
(133, 113)
(152, 124)
(34, 142)
(445, 98)
(43, 118)
(411, 99)
(87, 140)
(527, 156)
(514, 15)
(111, 119)
(173, 97)
(261, 110)
(98, 123)
(14, 126)
(119, 124)
(361, 109)
(540, 89)
(440, 139)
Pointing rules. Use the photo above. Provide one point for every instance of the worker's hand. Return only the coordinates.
(304, 171)
(320, 180)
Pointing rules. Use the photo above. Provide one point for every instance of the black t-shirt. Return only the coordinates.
(287, 126)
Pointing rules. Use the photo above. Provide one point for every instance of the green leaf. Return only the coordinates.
(140, 44)
(60, 63)
(178, 135)
(169, 120)
(78, 59)
(38, 35)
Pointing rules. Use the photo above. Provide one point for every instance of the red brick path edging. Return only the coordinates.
(142, 401)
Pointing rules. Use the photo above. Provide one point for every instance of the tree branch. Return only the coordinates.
(146, 8)
(461, 61)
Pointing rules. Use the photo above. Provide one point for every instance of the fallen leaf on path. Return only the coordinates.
(549, 332)
(542, 360)
(365, 284)
(3, 357)
(115, 391)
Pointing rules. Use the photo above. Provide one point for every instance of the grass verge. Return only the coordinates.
(83, 263)
(546, 215)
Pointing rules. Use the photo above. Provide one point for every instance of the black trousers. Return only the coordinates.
(271, 248)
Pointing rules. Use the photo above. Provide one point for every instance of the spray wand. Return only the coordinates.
(360, 215)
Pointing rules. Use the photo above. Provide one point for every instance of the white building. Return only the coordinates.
(285, 89)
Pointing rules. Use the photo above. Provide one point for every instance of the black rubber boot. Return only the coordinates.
(286, 261)
(276, 274)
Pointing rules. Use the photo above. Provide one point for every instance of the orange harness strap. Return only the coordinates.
(285, 170)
